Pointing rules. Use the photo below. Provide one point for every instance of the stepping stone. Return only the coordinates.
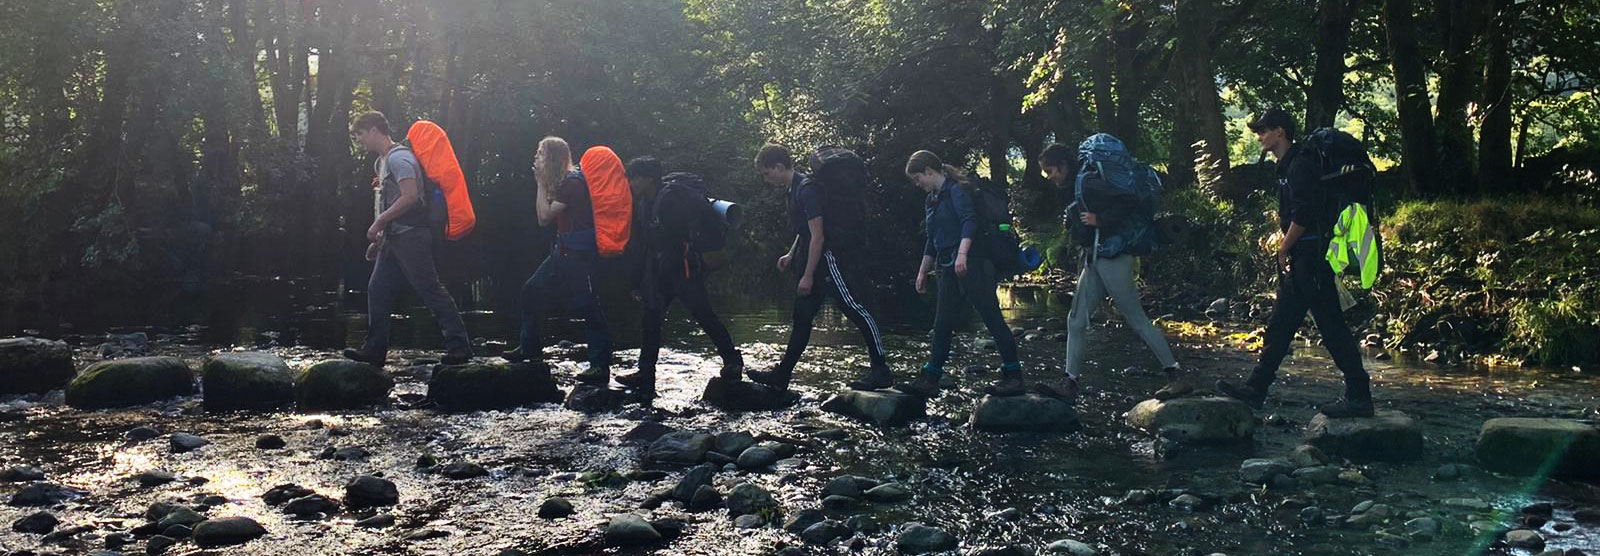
(1525, 446)
(246, 380)
(885, 408)
(341, 384)
(129, 382)
(479, 386)
(1029, 413)
(743, 395)
(1211, 419)
(1387, 436)
(34, 365)
(588, 398)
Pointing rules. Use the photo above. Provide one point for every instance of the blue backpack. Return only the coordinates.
(1109, 171)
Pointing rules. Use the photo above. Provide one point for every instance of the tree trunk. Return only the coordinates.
(1100, 66)
(1205, 132)
(1327, 81)
(1458, 72)
(1002, 114)
(1417, 141)
(1494, 137)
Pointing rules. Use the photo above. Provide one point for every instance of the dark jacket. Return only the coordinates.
(950, 216)
(1302, 199)
(1119, 214)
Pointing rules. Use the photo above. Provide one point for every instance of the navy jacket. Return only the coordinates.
(1302, 199)
(950, 216)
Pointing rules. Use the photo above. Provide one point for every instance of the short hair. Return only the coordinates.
(1056, 155)
(645, 167)
(370, 120)
(774, 155)
(1274, 118)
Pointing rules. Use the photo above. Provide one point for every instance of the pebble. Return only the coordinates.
(749, 521)
(270, 442)
(184, 442)
(141, 433)
(38, 523)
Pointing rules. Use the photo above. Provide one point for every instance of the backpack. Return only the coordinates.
(445, 187)
(1355, 246)
(996, 239)
(1109, 170)
(683, 213)
(842, 179)
(611, 198)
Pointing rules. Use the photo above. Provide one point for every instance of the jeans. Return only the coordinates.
(663, 284)
(1112, 276)
(407, 259)
(956, 293)
(1309, 286)
(566, 279)
(829, 282)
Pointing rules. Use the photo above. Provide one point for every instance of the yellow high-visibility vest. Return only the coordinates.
(1355, 240)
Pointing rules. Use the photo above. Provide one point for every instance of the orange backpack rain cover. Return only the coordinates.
(611, 197)
(438, 159)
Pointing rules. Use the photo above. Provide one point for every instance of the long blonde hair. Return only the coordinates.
(555, 160)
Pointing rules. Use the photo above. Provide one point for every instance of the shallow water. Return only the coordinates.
(1062, 486)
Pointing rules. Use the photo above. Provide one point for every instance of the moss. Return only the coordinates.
(126, 382)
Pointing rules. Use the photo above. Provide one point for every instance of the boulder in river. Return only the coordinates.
(1262, 471)
(369, 492)
(1029, 413)
(37, 523)
(747, 498)
(556, 508)
(34, 365)
(1387, 436)
(589, 398)
(885, 408)
(823, 532)
(916, 538)
(1209, 419)
(480, 386)
(227, 531)
(743, 395)
(692, 480)
(43, 494)
(341, 384)
(1524, 446)
(247, 380)
(126, 382)
(756, 457)
(630, 530)
(680, 448)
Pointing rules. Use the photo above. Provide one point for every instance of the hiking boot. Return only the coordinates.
(1066, 388)
(925, 386)
(598, 375)
(516, 355)
(639, 380)
(733, 370)
(1347, 408)
(776, 379)
(1010, 384)
(1246, 393)
(457, 356)
(364, 357)
(1180, 382)
(878, 377)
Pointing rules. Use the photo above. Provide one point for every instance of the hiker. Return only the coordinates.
(402, 246)
(820, 273)
(566, 275)
(1112, 221)
(678, 223)
(965, 278)
(1306, 281)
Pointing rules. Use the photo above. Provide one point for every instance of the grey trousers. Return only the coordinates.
(1115, 277)
(407, 260)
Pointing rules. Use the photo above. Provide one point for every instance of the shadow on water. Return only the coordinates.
(1061, 486)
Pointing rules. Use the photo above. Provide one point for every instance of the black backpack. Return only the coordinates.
(996, 239)
(842, 180)
(682, 213)
(1349, 176)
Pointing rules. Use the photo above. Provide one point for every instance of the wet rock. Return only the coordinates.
(341, 384)
(1587, 516)
(159, 510)
(159, 544)
(720, 459)
(368, 492)
(746, 498)
(588, 398)
(1387, 436)
(425, 535)
(184, 442)
(705, 498)
(270, 442)
(1008, 514)
(154, 478)
(916, 538)
(311, 506)
(691, 481)
(178, 532)
(556, 508)
(1189, 503)
(682, 448)
(128, 382)
(888, 493)
(463, 470)
(757, 457)
(1542, 509)
(1369, 513)
(60, 536)
(824, 532)
(1525, 538)
(848, 485)
(1283, 482)
(884, 408)
(1028, 413)
(1211, 419)
(227, 531)
(180, 516)
(37, 523)
(1449, 472)
(142, 433)
(21, 474)
(1008, 550)
(1353, 477)
(34, 365)
(1524, 446)
(630, 530)
(249, 380)
(1311, 515)
(733, 443)
(840, 504)
(282, 494)
(1306, 455)
(43, 494)
(1139, 497)
(380, 521)
(1473, 504)
(348, 453)
(647, 432)
(802, 520)
(1069, 546)
(832, 434)
(483, 386)
(1322, 474)
(1260, 471)
(749, 521)
(124, 345)
(669, 528)
(742, 395)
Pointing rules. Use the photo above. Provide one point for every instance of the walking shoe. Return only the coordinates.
(733, 370)
(598, 375)
(364, 357)
(877, 377)
(515, 355)
(1347, 409)
(1246, 393)
(1065, 388)
(925, 386)
(638, 380)
(1010, 384)
(1179, 383)
(457, 356)
(776, 379)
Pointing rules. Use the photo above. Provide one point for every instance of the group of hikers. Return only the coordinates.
(662, 223)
